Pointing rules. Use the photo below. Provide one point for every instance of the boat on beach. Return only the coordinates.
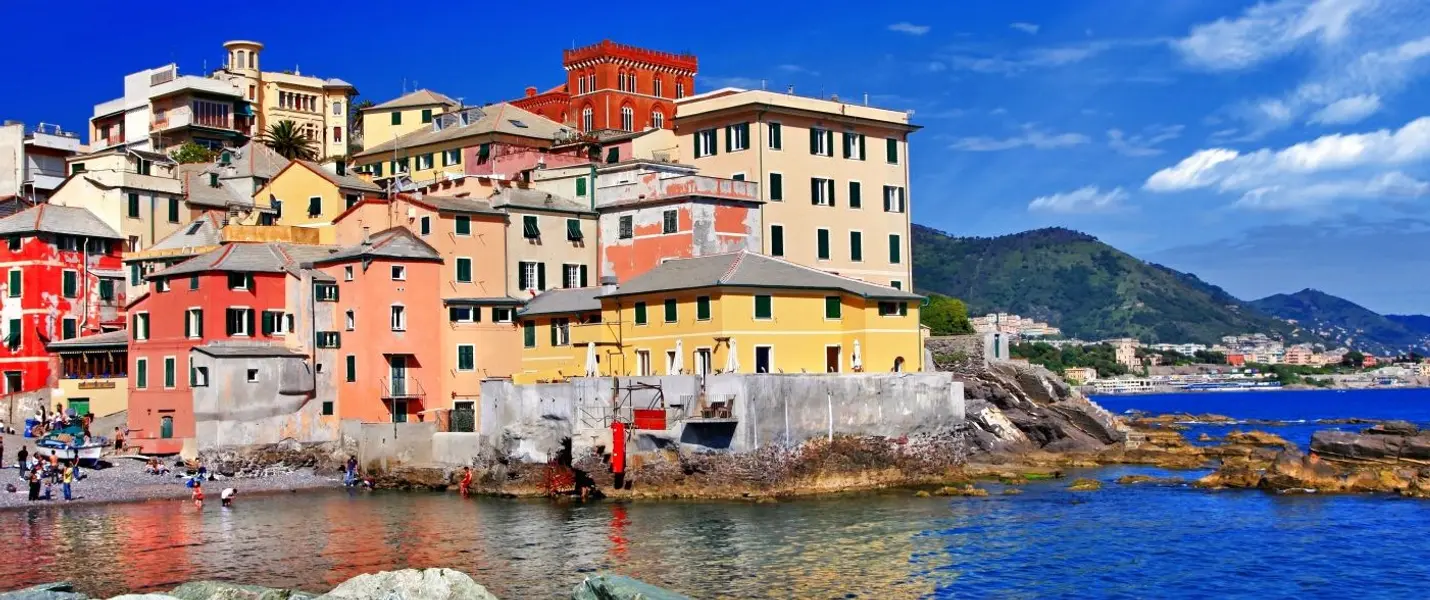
(70, 444)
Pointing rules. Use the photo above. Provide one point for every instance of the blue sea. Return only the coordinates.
(1123, 541)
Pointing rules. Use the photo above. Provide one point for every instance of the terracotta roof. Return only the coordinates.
(53, 218)
(414, 99)
(747, 269)
(498, 118)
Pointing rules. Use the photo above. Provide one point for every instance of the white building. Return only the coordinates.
(32, 162)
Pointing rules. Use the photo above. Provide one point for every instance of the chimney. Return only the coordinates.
(530, 91)
(608, 284)
(366, 237)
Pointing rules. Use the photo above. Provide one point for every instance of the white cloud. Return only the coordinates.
(909, 28)
(1266, 31)
(1193, 172)
(1394, 184)
(1036, 58)
(1028, 28)
(1082, 200)
(1032, 137)
(716, 82)
(1144, 143)
(1347, 110)
(799, 69)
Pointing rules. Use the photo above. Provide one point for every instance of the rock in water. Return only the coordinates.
(1085, 485)
(222, 590)
(618, 587)
(411, 584)
(143, 597)
(63, 590)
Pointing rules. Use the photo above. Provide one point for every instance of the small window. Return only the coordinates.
(194, 323)
(856, 196)
(705, 140)
(463, 225)
(173, 210)
(702, 308)
(854, 146)
(669, 222)
(425, 227)
(777, 240)
(821, 142)
(891, 151)
(821, 191)
(894, 201)
(670, 310)
(529, 228)
(581, 186)
(895, 249)
(198, 376)
(528, 334)
(133, 205)
(856, 246)
(573, 230)
(466, 357)
(776, 136)
(70, 284)
(327, 408)
(737, 137)
(396, 117)
(501, 315)
(69, 328)
(776, 187)
(253, 375)
(464, 314)
(239, 281)
(627, 227)
(106, 290)
(315, 206)
(170, 377)
(350, 320)
(399, 273)
(426, 116)
(822, 242)
(326, 292)
(141, 373)
(763, 308)
(399, 317)
(351, 369)
(239, 322)
(348, 273)
(16, 242)
(16, 283)
(832, 306)
(464, 270)
(640, 313)
(351, 200)
(329, 339)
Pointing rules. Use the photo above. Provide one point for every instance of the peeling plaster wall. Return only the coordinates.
(703, 227)
(233, 411)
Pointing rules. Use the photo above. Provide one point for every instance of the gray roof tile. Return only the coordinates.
(536, 199)
(483, 301)
(198, 191)
(343, 181)
(747, 269)
(98, 340)
(418, 98)
(252, 350)
(459, 205)
(255, 159)
(52, 218)
(248, 258)
(497, 118)
(202, 232)
(563, 301)
(397, 242)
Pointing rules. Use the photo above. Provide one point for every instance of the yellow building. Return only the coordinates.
(738, 312)
(305, 194)
(319, 107)
(92, 376)
(1080, 375)
(834, 175)
(499, 140)
(137, 193)
(403, 115)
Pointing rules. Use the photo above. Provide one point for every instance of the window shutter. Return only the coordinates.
(452, 314)
(855, 199)
(777, 184)
(777, 240)
(745, 133)
(888, 205)
(230, 322)
(541, 276)
(248, 315)
(553, 332)
(813, 191)
(267, 323)
(813, 141)
(199, 323)
(894, 249)
(823, 239)
(861, 147)
(583, 276)
(729, 138)
(856, 246)
(848, 145)
(829, 185)
(188, 326)
(580, 186)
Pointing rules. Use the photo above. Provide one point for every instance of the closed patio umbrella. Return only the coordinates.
(732, 360)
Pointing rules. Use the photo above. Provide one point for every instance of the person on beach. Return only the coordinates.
(118, 440)
(24, 457)
(198, 495)
(466, 484)
(54, 467)
(34, 485)
(225, 497)
(68, 481)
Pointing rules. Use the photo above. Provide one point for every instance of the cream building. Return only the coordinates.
(319, 107)
(834, 176)
(402, 115)
(550, 242)
(137, 193)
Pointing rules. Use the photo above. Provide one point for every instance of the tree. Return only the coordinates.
(192, 153)
(945, 316)
(1353, 359)
(285, 139)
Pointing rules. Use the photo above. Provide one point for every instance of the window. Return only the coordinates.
(573, 230)
(106, 290)
(350, 200)
(894, 248)
(528, 334)
(193, 283)
(253, 375)
(856, 196)
(396, 117)
(680, 89)
(425, 227)
(315, 206)
(466, 357)
(462, 225)
(501, 315)
(821, 142)
(891, 151)
(896, 284)
(702, 308)
(277, 208)
(464, 314)
(832, 307)
(573, 276)
(640, 313)
(161, 284)
(776, 136)
(194, 323)
(16, 283)
(531, 276)
(893, 309)
(15, 335)
(399, 166)
(821, 191)
(272, 322)
(763, 308)
(627, 227)
(198, 376)
(669, 222)
(424, 161)
(529, 228)
(70, 285)
(327, 408)
(133, 205)
(705, 143)
(822, 236)
(854, 145)
(893, 199)
(670, 312)
(737, 137)
(328, 292)
(399, 273)
(239, 322)
(399, 317)
(170, 365)
(239, 281)
(145, 167)
(777, 187)
(351, 368)
(141, 373)
(337, 134)
(375, 169)
(173, 210)
(464, 270)
(580, 186)
(738, 177)
(337, 109)
(69, 328)
(349, 320)
(587, 119)
(78, 168)
(777, 240)
(141, 326)
(628, 118)
(15, 243)
(560, 332)
(856, 246)
(330, 339)
(657, 119)
(426, 115)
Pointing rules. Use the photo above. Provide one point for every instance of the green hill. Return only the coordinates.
(1347, 323)
(1085, 287)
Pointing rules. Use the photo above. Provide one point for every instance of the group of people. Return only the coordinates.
(42, 474)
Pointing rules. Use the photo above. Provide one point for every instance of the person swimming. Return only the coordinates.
(198, 494)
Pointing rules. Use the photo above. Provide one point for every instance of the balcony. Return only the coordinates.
(184, 117)
(405, 388)
(651, 187)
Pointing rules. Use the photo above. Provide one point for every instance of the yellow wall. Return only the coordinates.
(377, 127)
(544, 362)
(107, 396)
(438, 168)
(294, 186)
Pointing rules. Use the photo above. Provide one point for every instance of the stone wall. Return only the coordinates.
(15, 408)
(381, 446)
(232, 411)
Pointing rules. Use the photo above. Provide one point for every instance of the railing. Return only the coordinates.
(402, 388)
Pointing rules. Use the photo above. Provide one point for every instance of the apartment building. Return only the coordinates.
(317, 106)
(400, 116)
(135, 192)
(616, 86)
(834, 176)
(307, 195)
(550, 241)
(32, 161)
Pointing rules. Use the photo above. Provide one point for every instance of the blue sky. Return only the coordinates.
(1264, 146)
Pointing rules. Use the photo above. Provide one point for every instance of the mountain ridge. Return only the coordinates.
(1347, 323)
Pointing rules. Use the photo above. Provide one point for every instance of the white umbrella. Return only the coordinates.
(678, 363)
(856, 360)
(732, 360)
(591, 364)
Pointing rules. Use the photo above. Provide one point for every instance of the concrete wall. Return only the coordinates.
(385, 445)
(232, 411)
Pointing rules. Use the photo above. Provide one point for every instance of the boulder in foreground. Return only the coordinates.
(618, 587)
(411, 584)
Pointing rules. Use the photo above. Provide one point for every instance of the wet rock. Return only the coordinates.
(1295, 471)
(1085, 485)
(1372, 447)
(967, 490)
(1012, 492)
(922, 494)
(1136, 479)
(411, 584)
(1257, 438)
(222, 590)
(1231, 476)
(63, 590)
(1393, 428)
(143, 597)
(413, 478)
(617, 587)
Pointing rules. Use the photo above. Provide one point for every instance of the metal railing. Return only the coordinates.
(402, 388)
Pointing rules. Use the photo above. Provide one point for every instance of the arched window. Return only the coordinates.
(655, 85)
(621, 80)
(657, 119)
(240, 60)
(588, 117)
(628, 118)
(252, 60)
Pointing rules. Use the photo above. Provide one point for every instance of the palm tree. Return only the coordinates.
(285, 139)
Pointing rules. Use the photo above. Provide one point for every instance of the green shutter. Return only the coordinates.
(528, 332)
(71, 284)
(894, 249)
(464, 270)
(135, 276)
(775, 141)
(315, 206)
(729, 138)
(541, 276)
(267, 323)
(640, 313)
(856, 246)
(15, 334)
(814, 191)
(173, 210)
(142, 374)
(554, 341)
(891, 151)
(862, 153)
(613, 155)
(426, 115)
(188, 326)
(831, 307)
(580, 186)
(16, 286)
(169, 376)
(133, 205)
(573, 229)
(763, 308)
(68, 330)
(777, 187)
(452, 314)
(396, 117)
(106, 289)
(144, 326)
(777, 240)
(463, 225)
(856, 199)
(702, 308)
(848, 145)
(670, 311)
(352, 368)
(466, 358)
(376, 169)
(529, 227)
(813, 141)
(823, 238)
(583, 276)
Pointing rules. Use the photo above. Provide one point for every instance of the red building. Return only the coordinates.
(615, 86)
(63, 279)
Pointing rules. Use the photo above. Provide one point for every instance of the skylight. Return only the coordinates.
(517, 123)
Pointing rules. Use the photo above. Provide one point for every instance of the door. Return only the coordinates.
(764, 359)
(831, 359)
(702, 362)
(80, 406)
(398, 368)
(13, 382)
(399, 411)
(166, 427)
(643, 362)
